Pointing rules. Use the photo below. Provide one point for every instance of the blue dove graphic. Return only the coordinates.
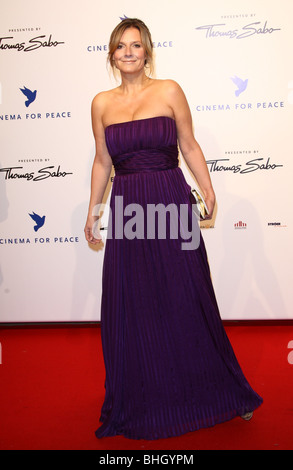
(39, 221)
(241, 84)
(31, 95)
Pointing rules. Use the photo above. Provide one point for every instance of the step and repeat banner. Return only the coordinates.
(233, 60)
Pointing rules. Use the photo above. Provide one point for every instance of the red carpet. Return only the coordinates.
(52, 388)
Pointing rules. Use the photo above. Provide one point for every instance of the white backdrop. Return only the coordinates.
(233, 60)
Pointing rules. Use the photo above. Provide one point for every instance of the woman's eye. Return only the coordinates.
(137, 45)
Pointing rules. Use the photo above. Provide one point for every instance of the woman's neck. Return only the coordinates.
(131, 85)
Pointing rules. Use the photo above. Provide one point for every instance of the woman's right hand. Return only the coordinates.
(91, 231)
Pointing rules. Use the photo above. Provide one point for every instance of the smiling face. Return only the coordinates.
(130, 55)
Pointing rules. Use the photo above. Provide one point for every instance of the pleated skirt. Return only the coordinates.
(170, 368)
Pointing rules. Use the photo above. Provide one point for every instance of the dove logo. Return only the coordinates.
(241, 85)
(38, 220)
(30, 95)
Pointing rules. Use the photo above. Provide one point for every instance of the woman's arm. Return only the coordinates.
(189, 147)
(101, 169)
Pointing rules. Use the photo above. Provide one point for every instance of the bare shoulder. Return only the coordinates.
(99, 102)
(172, 94)
(168, 85)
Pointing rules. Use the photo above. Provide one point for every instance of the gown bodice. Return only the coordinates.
(143, 145)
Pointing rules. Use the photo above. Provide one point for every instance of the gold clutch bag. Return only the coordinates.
(197, 200)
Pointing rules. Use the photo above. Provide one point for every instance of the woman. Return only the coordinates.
(169, 365)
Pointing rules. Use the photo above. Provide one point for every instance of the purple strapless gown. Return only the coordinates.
(170, 367)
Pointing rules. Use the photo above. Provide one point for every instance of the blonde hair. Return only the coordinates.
(145, 39)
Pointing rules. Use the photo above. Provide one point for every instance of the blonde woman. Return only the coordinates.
(170, 367)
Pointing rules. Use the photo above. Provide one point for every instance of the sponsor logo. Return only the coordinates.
(36, 116)
(240, 225)
(30, 98)
(241, 87)
(40, 240)
(39, 221)
(224, 31)
(9, 43)
(240, 84)
(276, 224)
(241, 106)
(250, 162)
(30, 95)
(14, 173)
(218, 165)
